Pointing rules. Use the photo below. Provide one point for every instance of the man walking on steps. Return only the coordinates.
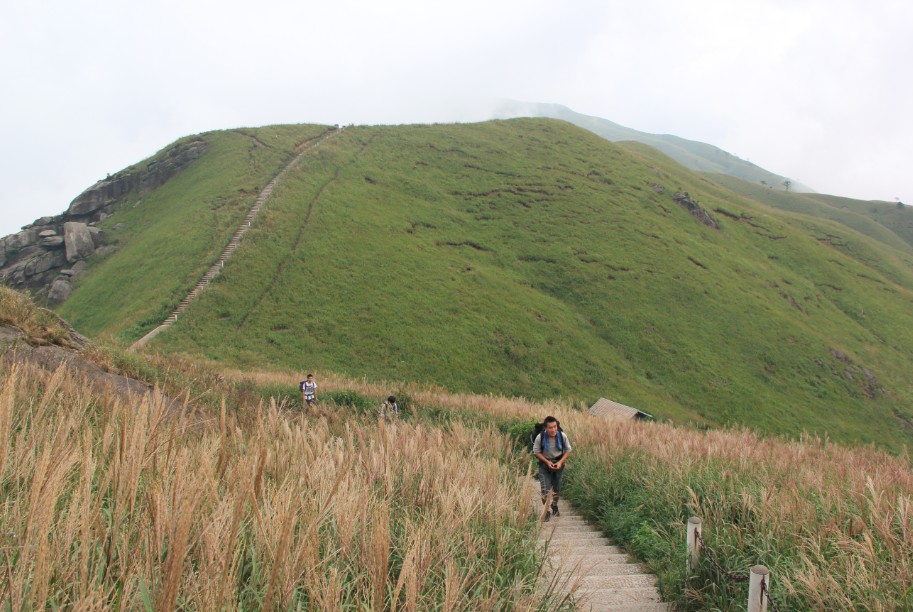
(551, 448)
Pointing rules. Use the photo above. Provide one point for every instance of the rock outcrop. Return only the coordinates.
(49, 254)
(98, 199)
(16, 347)
(78, 240)
(695, 209)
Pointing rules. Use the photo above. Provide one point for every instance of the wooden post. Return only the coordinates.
(694, 546)
(759, 575)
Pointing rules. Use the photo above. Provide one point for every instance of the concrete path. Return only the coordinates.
(599, 576)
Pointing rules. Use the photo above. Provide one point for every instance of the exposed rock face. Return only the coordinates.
(60, 290)
(52, 242)
(699, 213)
(42, 262)
(17, 348)
(78, 240)
(112, 189)
(34, 259)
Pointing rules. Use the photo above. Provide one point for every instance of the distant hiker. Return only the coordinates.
(308, 390)
(551, 448)
(389, 410)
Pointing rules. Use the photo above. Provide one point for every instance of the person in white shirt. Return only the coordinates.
(389, 410)
(308, 391)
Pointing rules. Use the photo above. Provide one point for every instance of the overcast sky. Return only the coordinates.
(816, 90)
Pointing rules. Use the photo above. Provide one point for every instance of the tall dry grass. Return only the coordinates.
(112, 504)
(43, 326)
(421, 394)
(834, 523)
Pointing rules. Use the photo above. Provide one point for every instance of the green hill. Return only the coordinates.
(695, 155)
(888, 222)
(526, 257)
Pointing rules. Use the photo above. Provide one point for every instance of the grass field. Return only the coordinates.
(527, 258)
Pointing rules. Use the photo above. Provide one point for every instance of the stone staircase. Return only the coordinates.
(235, 241)
(598, 576)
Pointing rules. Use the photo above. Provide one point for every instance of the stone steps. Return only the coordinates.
(599, 576)
(599, 599)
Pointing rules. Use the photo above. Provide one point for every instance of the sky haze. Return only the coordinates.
(813, 90)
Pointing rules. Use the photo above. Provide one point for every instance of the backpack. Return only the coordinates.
(301, 386)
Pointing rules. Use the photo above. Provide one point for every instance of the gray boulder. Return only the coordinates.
(60, 290)
(101, 193)
(20, 240)
(43, 262)
(51, 242)
(78, 240)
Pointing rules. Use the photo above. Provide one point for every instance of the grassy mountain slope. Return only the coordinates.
(884, 221)
(171, 236)
(530, 257)
(698, 156)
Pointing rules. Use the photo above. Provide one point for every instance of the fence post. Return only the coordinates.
(759, 576)
(694, 547)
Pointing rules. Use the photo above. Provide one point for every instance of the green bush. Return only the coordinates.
(519, 432)
(351, 399)
(284, 395)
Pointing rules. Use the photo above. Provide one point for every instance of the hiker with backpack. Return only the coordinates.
(551, 448)
(308, 390)
(389, 410)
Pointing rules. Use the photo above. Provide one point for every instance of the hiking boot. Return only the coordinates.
(548, 517)
(555, 511)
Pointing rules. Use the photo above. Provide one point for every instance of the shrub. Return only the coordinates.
(350, 399)
(519, 432)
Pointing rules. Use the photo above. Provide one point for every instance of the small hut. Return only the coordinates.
(614, 410)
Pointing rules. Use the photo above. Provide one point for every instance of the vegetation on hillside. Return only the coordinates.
(890, 223)
(532, 258)
(112, 504)
(833, 524)
(168, 238)
(40, 324)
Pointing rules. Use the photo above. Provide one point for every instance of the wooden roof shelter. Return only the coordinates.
(614, 410)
